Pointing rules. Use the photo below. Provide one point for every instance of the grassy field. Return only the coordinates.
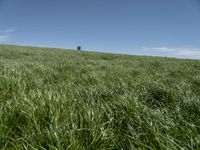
(62, 99)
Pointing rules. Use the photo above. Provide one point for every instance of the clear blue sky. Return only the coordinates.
(146, 27)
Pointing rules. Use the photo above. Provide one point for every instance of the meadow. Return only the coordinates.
(63, 99)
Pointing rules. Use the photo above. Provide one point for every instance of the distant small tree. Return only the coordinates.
(79, 48)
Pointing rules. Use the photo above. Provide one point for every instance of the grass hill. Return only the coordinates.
(64, 99)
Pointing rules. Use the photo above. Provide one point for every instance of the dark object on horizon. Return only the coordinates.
(79, 48)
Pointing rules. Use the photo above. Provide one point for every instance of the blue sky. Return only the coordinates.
(139, 27)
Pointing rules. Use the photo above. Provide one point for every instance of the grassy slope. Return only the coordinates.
(57, 99)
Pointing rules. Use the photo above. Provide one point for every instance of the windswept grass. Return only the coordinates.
(58, 99)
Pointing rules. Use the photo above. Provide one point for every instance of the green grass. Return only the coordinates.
(62, 99)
